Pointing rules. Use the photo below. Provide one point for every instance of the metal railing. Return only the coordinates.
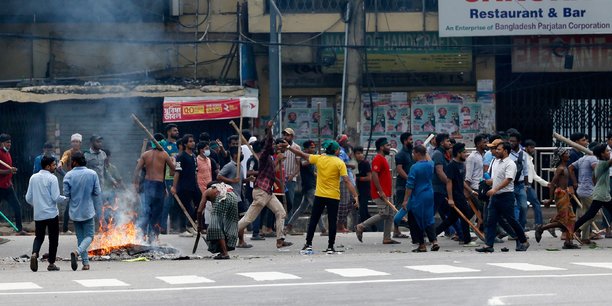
(335, 6)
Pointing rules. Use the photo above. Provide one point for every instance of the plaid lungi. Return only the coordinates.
(345, 202)
(223, 224)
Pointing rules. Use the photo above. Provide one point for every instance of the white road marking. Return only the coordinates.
(301, 284)
(498, 300)
(521, 266)
(357, 272)
(184, 279)
(102, 282)
(269, 276)
(19, 286)
(439, 269)
(606, 265)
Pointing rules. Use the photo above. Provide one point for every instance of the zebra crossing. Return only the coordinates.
(323, 274)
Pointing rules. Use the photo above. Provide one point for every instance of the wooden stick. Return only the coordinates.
(5, 164)
(572, 144)
(476, 212)
(476, 230)
(393, 208)
(157, 145)
(144, 146)
(431, 136)
(242, 139)
(238, 166)
(319, 125)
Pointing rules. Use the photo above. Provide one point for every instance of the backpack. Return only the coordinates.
(519, 167)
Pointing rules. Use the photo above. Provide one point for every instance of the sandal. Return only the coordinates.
(85, 267)
(570, 246)
(419, 250)
(221, 256)
(400, 236)
(244, 246)
(435, 247)
(281, 243)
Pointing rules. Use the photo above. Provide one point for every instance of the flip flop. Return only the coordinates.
(419, 250)
(391, 242)
(221, 256)
(435, 247)
(244, 246)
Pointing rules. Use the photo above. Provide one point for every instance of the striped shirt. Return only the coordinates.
(291, 162)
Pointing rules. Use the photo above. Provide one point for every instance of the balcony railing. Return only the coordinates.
(335, 6)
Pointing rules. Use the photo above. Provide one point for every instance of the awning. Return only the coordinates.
(184, 109)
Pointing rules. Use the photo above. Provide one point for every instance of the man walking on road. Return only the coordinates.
(403, 162)
(44, 196)
(262, 193)
(154, 162)
(502, 200)
(380, 189)
(330, 170)
(81, 185)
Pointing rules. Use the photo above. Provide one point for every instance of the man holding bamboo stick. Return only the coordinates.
(262, 193)
(7, 193)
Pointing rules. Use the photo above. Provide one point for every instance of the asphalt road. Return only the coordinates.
(368, 273)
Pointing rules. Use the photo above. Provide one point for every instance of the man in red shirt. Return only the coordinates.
(7, 193)
(380, 187)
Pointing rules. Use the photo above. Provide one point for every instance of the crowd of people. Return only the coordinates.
(189, 185)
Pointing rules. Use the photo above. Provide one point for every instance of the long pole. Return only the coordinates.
(319, 124)
(242, 139)
(342, 103)
(238, 166)
(476, 230)
(9, 222)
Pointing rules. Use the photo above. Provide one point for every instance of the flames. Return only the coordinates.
(116, 233)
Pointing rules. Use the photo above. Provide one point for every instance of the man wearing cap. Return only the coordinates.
(96, 161)
(292, 169)
(7, 193)
(330, 171)
(47, 151)
(75, 146)
(380, 189)
(65, 165)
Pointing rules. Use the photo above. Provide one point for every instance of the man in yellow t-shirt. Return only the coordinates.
(330, 170)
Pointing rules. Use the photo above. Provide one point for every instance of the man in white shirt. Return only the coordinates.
(44, 196)
(502, 200)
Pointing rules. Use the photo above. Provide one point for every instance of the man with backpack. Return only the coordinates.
(522, 173)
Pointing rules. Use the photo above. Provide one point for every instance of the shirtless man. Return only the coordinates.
(565, 218)
(154, 162)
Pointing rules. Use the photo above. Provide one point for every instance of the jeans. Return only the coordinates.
(532, 197)
(41, 226)
(502, 206)
(152, 205)
(10, 197)
(290, 195)
(307, 200)
(168, 202)
(84, 232)
(319, 205)
(520, 204)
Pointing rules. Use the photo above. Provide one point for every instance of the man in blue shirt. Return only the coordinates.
(81, 186)
(47, 151)
(44, 196)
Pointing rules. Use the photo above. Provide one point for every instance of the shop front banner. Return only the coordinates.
(469, 18)
(184, 109)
